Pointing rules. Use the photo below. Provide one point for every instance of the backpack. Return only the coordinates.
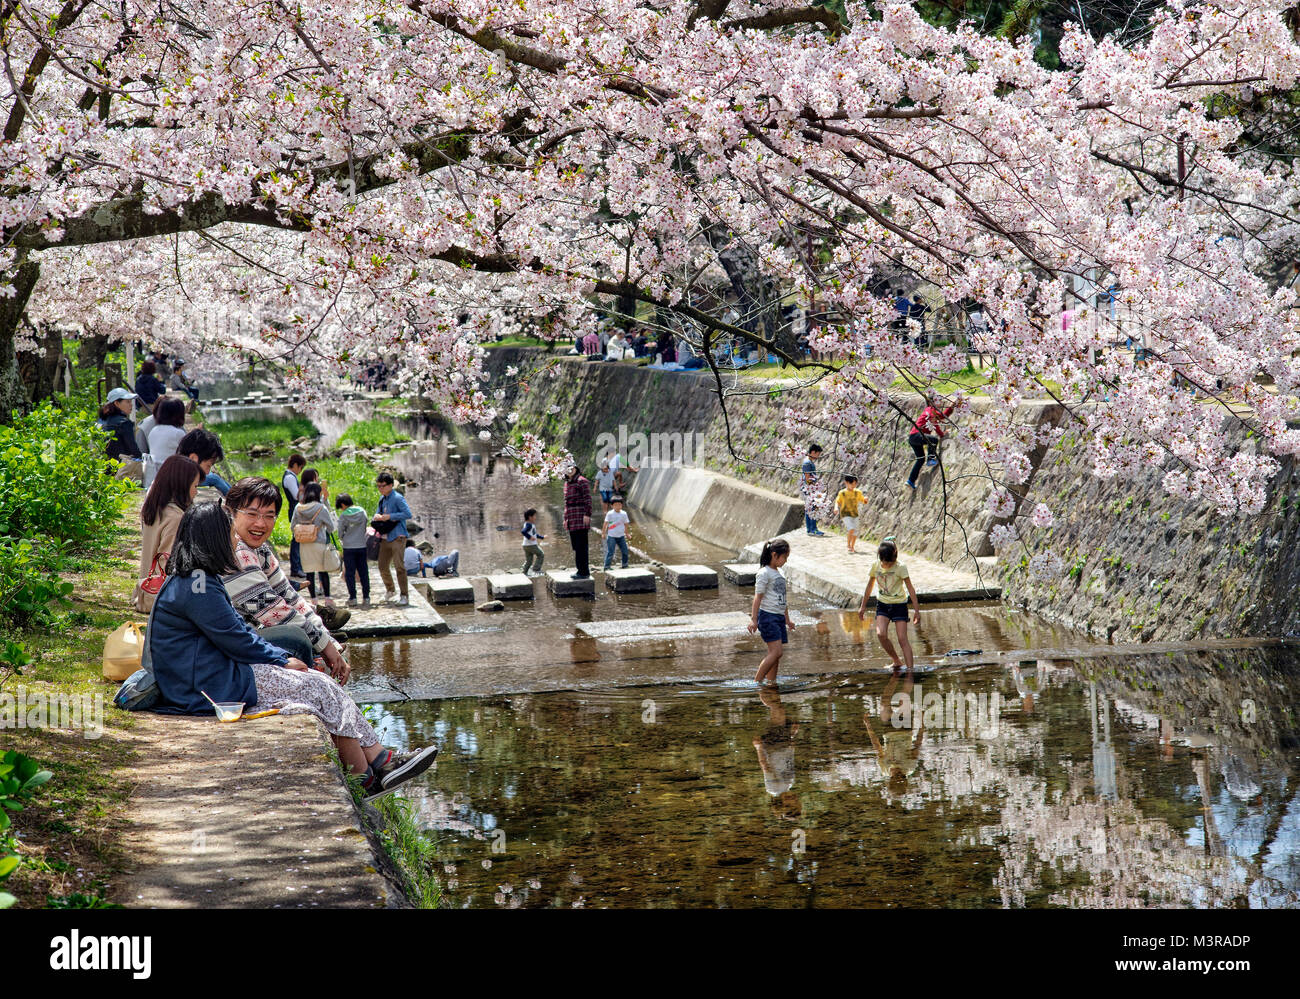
(306, 534)
(139, 692)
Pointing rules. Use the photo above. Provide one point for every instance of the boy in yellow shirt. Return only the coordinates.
(848, 503)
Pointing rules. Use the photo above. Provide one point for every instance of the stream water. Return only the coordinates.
(576, 772)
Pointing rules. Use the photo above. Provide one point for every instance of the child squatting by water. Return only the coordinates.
(769, 615)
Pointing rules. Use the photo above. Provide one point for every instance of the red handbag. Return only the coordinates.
(157, 575)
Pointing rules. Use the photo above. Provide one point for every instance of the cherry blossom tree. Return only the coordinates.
(376, 171)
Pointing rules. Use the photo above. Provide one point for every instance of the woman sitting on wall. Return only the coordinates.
(198, 642)
(148, 386)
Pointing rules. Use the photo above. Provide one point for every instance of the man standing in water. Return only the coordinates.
(577, 518)
(809, 487)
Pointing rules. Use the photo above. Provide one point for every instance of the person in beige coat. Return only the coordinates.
(319, 558)
(171, 494)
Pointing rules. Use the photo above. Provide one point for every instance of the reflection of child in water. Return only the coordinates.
(852, 625)
(898, 750)
(776, 756)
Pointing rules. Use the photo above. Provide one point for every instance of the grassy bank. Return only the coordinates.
(69, 836)
(240, 435)
(372, 433)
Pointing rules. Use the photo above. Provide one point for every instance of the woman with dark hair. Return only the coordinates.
(312, 524)
(577, 518)
(167, 433)
(310, 475)
(666, 346)
(115, 418)
(148, 386)
(172, 494)
(199, 643)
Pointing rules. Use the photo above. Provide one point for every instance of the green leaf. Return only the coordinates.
(8, 865)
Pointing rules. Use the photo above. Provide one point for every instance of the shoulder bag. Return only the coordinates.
(157, 574)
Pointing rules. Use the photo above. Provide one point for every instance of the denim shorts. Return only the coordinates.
(605, 494)
(772, 627)
(895, 612)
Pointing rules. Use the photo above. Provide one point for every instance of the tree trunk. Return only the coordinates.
(40, 368)
(22, 279)
(759, 305)
(90, 356)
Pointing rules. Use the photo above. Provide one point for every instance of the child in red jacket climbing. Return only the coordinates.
(922, 441)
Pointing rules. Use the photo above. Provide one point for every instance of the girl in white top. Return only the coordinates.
(166, 434)
(769, 615)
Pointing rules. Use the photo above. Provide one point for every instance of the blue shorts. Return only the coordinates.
(605, 494)
(895, 612)
(772, 627)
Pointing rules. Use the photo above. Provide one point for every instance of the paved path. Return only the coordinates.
(823, 567)
(244, 815)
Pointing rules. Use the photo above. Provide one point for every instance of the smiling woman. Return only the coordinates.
(201, 646)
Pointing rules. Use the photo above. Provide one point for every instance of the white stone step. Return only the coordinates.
(452, 591)
(510, 586)
(723, 623)
(631, 580)
(691, 577)
(741, 573)
(562, 584)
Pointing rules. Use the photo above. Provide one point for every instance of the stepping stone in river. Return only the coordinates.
(741, 573)
(510, 586)
(562, 584)
(452, 591)
(630, 580)
(691, 577)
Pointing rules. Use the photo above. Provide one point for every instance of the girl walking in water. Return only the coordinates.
(891, 601)
(769, 615)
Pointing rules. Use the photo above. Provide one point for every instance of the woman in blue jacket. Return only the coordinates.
(148, 386)
(199, 642)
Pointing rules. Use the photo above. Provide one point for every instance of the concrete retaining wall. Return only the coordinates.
(715, 508)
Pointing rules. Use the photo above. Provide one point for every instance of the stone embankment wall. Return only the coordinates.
(1140, 564)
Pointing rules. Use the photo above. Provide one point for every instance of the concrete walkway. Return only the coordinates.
(824, 567)
(250, 814)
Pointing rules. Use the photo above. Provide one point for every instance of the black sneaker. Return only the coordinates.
(399, 770)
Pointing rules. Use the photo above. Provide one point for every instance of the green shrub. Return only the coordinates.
(29, 582)
(20, 777)
(52, 482)
(372, 433)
